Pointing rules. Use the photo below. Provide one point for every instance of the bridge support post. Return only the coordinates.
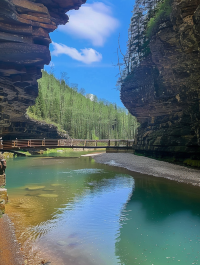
(29, 143)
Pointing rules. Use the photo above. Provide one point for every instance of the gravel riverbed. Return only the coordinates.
(150, 166)
(10, 253)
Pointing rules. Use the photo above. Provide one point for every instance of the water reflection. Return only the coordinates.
(162, 224)
(81, 224)
(74, 211)
(89, 225)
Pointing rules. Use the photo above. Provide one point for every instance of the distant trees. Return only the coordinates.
(84, 117)
(146, 14)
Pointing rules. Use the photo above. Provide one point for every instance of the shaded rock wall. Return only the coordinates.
(24, 49)
(3, 191)
(164, 91)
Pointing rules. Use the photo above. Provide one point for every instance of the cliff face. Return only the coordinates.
(164, 90)
(24, 49)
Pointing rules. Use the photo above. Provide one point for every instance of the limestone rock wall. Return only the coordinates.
(24, 49)
(164, 91)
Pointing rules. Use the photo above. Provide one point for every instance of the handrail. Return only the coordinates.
(64, 143)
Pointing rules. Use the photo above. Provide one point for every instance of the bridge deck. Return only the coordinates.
(64, 143)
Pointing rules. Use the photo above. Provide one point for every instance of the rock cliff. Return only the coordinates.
(24, 49)
(163, 92)
(3, 191)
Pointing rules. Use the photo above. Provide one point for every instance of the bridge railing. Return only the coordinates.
(54, 143)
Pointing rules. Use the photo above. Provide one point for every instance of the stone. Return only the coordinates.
(62, 243)
(3, 194)
(33, 188)
(2, 180)
(2, 171)
(2, 206)
(24, 49)
(45, 195)
(163, 92)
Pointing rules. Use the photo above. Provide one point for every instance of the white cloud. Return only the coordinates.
(86, 56)
(93, 22)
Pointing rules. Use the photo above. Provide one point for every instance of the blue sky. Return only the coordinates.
(85, 48)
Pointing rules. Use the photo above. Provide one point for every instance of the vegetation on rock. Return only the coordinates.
(146, 16)
(191, 162)
(162, 11)
(7, 155)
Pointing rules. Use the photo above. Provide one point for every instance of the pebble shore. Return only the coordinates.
(150, 166)
(10, 253)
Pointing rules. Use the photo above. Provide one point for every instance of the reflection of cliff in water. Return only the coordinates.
(155, 221)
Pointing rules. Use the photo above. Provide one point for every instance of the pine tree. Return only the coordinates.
(83, 117)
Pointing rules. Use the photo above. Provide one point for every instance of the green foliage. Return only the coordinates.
(54, 150)
(84, 117)
(145, 21)
(26, 153)
(8, 155)
(162, 11)
(193, 163)
(31, 111)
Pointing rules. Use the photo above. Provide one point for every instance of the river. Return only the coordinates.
(76, 211)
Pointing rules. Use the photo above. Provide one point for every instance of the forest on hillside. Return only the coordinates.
(82, 116)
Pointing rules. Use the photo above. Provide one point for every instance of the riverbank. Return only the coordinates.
(10, 253)
(150, 166)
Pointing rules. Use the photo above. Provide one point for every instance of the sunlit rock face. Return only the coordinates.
(24, 49)
(164, 91)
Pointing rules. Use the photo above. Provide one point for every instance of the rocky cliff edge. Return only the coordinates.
(24, 49)
(164, 91)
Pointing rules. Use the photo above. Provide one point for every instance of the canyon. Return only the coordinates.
(163, 91)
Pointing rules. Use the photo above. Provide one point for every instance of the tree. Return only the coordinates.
(82, 116)
(144, 12)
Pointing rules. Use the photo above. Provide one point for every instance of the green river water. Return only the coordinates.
(84, 213)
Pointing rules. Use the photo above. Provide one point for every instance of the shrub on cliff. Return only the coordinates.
(145, 21)
(162, 12)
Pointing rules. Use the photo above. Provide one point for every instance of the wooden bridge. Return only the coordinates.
(64, 143)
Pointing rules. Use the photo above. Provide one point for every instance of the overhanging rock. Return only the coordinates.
(24, 49)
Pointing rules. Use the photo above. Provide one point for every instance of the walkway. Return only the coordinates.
(64, 143)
